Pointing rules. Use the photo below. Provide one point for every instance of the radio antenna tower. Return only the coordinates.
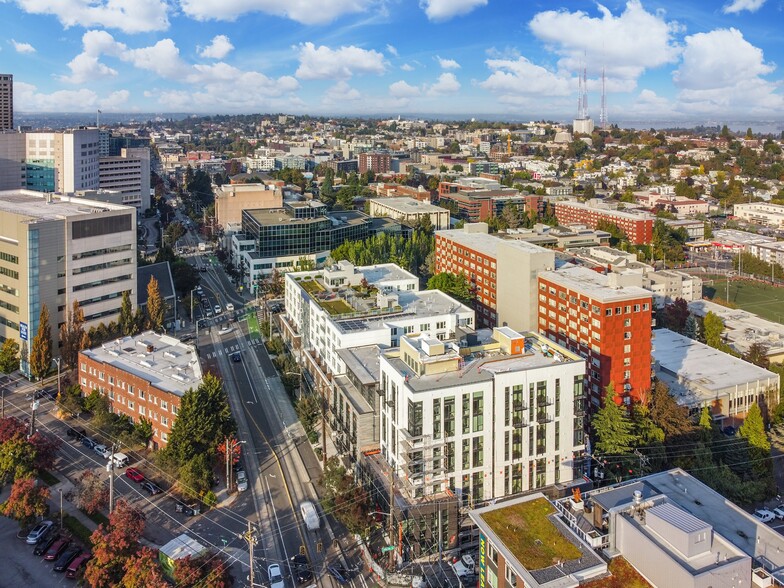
(603, 112)
(582, 112)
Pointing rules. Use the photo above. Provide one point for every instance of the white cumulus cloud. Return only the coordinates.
(521, 77)
(310, 12)
(324, 63)
(447, 63)
(22, 47)
(626, 44)
(445, 84)
(392, 50)
(29, 99)
(219, 48)
(341, 93)
(441, 10)
(740, 5)
(407, 67)
(402, 89)
(135, 16)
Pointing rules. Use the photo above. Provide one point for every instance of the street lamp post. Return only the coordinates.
(57, 361)
(60, 490)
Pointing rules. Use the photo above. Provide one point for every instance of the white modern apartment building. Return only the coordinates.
(128, 173)
(57, 249)
(62, 161)
(769, 252)
(343, 306)
(498, 413)
(761, 213)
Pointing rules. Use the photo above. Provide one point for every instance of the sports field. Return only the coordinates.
(762, 299)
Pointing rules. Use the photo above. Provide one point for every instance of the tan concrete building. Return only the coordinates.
(409, 211)
(54, 250)
(232, 199)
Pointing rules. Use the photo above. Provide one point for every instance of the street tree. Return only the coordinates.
(613, 427)
(27, 501)
(343, 498)
(41, 349)
(156, 306)
(45, 447)
(753, 430)
(72, 336)
(17, 459)
(206, 571)
(126, 321)
(92, 493)
(113, 545)
(142, 570)
(9, 356)
(11, 427)
(70, 400)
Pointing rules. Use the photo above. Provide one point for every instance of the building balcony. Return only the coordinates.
(519, 423)
(517, 406)
(543, 417)
(544, 401)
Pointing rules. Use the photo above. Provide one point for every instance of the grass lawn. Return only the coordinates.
(757, 297)
(253, 324)
(529, 534)
(77, 528)
(338, 306)
(623, 576)
(48, 479)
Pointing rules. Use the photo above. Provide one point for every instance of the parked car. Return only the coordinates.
(236, 357)
(464, 566)
(45, 543)
(134, 475)
(89, 442)
(103, 451)
(275, 577)
(40, 531)
(190, 510)
(151, 488)
(186, 338)
(56, 549)
(66, 558)
(218, 309)
(779, 512)
(300, 569)
(76, 434)
(764, 515)
(242, 481)
(79, 562)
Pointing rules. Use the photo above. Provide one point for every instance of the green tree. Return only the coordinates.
(712, 327)
(41, 349)
(195, 476)
(126, 321)
(753, 429)
(757, 354)
(9, 356)
(343, 498)
(70, 400)
(455, 285)
(156, 306)
(612, 426)
(173, 233)
(72, 336)
(17, 459)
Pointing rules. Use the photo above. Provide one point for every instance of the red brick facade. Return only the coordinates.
(478, 268)
(130, 395)
(379, 163)
(613, 336)
(638, 230)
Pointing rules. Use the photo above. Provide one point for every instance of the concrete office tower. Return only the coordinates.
(6, 102)
(76, 155)
(54, 250)
(12, 166)
(129, 174)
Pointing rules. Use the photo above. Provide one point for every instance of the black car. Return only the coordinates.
(300, 569)
(88, 442)
(235, 357)
(152, 488)
(66, 558)
(186, 338)
(76, 434)
(45, 543)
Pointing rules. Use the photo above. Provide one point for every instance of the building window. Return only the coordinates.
(627, 335)
(130, 405)
(141, 394)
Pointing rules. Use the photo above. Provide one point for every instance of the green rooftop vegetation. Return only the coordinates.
(335, 307)
(528, 533)
(312, 287)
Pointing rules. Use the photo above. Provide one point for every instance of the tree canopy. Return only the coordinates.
(41, 348)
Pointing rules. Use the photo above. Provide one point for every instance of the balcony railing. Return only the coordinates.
(543, 417)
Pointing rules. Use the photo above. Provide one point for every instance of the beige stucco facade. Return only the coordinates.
(232, 199)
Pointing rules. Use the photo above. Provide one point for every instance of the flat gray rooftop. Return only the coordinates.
(35, 205)
(408, 205)
(363, 362)
(697, 363)
(384, 272)
(172, 366)
(488, 244)
(593, 284)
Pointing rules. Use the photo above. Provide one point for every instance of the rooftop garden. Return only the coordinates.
(530, 535)
(335, 307)
(623, 576)
(312, 287)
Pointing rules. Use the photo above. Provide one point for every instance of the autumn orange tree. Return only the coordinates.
(27, 501)
(206, 571)
(142, 570)
(113, 546)
(92, 494)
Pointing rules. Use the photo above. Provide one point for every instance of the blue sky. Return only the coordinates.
(700, 60)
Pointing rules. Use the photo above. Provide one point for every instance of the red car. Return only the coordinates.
(56, 550)
(134, 475)
(77, 564)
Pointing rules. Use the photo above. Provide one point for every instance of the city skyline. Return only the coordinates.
(663, 61)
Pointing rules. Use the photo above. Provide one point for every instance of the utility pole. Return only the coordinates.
(250, 537)
(228, 470)
(110, 467)
(57, 361)
(34, 406)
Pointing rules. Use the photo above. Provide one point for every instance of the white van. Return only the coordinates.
(230, 307)
(121, 460)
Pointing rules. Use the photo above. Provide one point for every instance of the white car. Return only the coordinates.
(275, 577)
(103, 451)
(218, 309)
(764, 515)
(779, 512)
(464, 566)
(242, 481)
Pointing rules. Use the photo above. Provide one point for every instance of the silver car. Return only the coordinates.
(242, 481)
(39, 532)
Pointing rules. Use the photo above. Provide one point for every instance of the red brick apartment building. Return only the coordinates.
(480, 205)
(637, 227)
(607, 324)
(378, 163)
(502, 273)
(142, 376)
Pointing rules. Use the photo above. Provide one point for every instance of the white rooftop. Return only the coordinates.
(739, 237)
(38, 205)
(593, 284)
(702, 369)
(743, 327)
(488, 244)
(171, 366)
(405, 204)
